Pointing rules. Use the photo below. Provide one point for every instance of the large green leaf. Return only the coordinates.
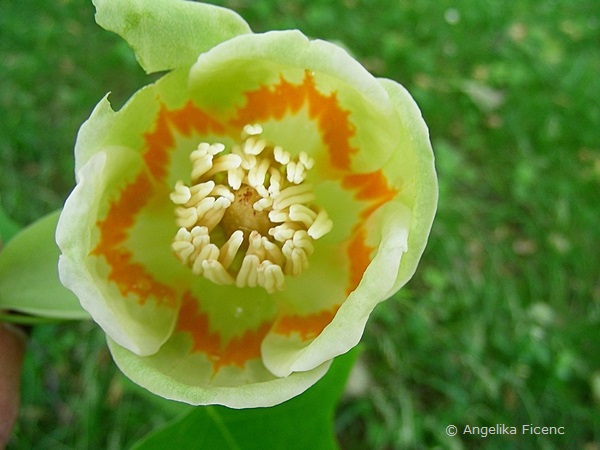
(167, 34)
(304, 422)
(29, 274)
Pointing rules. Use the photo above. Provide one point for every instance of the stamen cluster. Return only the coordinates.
(247, 217)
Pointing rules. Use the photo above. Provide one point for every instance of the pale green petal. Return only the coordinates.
(167, 34)
(321, 286)
(232, 311)
(420, 186)
(175, 374)
(29, 274)
(143, 328)
(126, 127)
(222, 78)
(404, 226)
(106, 127)
(286, 354)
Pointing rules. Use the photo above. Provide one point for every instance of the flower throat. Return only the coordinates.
(248, 216)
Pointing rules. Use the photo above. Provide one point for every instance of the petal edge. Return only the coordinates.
(145, 372)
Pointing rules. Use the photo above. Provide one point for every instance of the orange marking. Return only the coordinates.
(370, 186)
(244, 348)
(158, 143)
(359, 255)
(130, 277)
(196, 324)
(237, 352)
(334, 123)
(309, 326)
(273, 102)
(191, 118)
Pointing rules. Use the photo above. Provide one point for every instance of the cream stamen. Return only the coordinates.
(230, 248)
(202, 158)
(256, 199)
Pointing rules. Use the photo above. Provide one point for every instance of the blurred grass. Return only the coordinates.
(500, 325)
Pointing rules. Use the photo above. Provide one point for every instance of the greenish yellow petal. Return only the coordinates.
(141, 324)
(128, 126)
(418, 178)
(389, 242)
(342, 327)
(177, 374)
(278, 74)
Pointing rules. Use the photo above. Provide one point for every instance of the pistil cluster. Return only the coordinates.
(248, 217)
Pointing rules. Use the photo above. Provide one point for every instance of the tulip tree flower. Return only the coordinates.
(236, 222)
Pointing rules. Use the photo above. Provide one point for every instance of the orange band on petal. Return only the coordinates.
(237, 352)
(244, 348)
(371, 187)
(273, 102)
(359, 255)
(190, 118)
(309, 326)
(160, 141)
(130, 277)
(334, 124)
(196, 324)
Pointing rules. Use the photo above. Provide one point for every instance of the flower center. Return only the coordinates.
(241, 214)
(247, 217)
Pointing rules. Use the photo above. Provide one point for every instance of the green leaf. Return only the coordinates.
(167, 34)
(29, 274)
(304, 422)
(8, 228)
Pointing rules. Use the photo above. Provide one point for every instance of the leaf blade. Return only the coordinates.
(29, 280)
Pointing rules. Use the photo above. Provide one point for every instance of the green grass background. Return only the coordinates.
(501, 324)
